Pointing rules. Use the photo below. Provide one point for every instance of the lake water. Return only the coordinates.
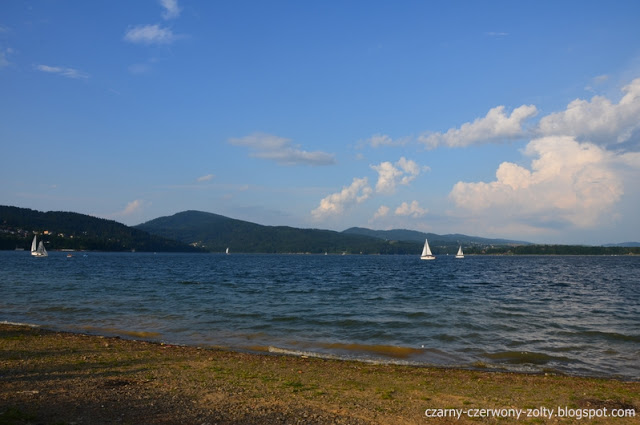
(575, 315)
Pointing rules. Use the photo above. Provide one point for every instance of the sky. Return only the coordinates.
(512, 119)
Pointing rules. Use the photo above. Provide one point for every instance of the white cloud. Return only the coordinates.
(132, 211)
(378, 140)
(206, 178)
(599, 120)
(281, 150)
(382, 212)
(171, 9)
(495, 126)
(414, 210)
(65, 72)
(570, 184)
(150, 34)
(390, 175)
(335, 204)
(133, 207)
(600, 79)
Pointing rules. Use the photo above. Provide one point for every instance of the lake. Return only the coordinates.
(578, 315)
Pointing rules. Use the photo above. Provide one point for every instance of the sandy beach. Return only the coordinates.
(65, 378)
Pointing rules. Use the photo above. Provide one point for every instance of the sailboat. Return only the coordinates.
(426, 252)
(460, 254)
(227, 251)
(40, 251)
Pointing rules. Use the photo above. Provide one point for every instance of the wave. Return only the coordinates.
(30, 325)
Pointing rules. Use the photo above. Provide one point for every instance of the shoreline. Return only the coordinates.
(381, 360)
(62, 377)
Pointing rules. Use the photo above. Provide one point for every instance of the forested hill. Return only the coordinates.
(216, 233)
(69, 230)
(196, 231)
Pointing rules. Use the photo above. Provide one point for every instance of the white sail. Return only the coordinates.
(40, 251)
(460, 254)
(426, 252)
(227, 251)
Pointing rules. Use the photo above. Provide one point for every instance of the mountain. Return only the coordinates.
(215, 233)
(625, 244)
(69, 230)
(451, 240)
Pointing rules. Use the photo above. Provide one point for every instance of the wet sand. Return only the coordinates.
(51, 377)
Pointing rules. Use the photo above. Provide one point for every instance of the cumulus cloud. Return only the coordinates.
(335, 204)
(569, 184)
(150, 34)
(64, 72)
(388, 176)
(598, 120)
(171, 9)
(495, 126)
(281, 150)
(391, 175)
(383, 211)
(413, 210)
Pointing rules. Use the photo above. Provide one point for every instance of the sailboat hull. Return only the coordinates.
(428, 257)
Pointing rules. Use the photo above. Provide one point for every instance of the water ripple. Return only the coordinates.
(572, 314)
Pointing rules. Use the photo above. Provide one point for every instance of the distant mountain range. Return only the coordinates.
(434, 239)
(197, 231)
(625, 244)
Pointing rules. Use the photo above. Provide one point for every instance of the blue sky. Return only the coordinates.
(498, 119)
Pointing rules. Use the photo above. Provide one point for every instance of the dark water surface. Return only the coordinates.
(577, 315)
